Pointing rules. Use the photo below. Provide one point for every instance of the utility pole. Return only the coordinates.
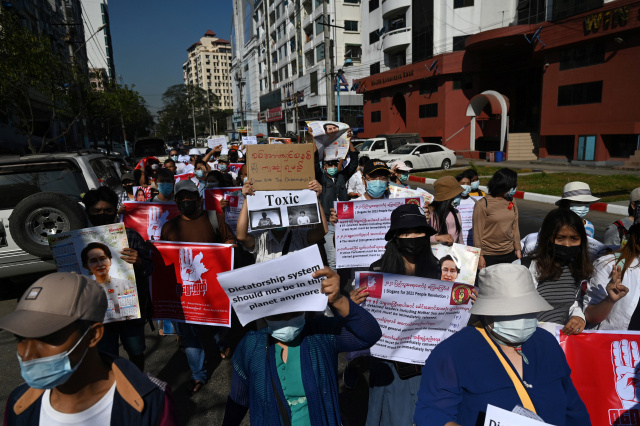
(328, 60)
(209, 109)
(297, 123)
(195, 135)
(240, 85)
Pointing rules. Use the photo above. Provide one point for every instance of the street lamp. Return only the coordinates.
(347, 63)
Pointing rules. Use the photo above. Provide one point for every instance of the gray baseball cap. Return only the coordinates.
(185, 185)
(54, 302)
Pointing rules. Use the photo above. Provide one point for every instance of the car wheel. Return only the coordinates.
(43, 214)
(409, 164)
(446, 164)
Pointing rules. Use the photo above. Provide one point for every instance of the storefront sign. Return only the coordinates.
(274, 114)
(605, 20)
(390, 78)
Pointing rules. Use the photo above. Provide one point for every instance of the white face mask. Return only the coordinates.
(515, 329)
(580, 210)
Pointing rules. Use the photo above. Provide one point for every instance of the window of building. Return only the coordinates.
(373, 37)
(428, 86)
(583, 55)
(580, 94)
(352, 1)
(464, 82)
(320, 52)
(374, 68)
(563, 8)
(458, 42)
(373, 5)
(620, 146)
(428, 110)
(319, 26)
(353, 52)
(462, 3)
(351, 25)
(376, 116)
(313, 83)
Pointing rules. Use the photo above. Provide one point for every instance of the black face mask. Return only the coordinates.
(564, 253)
(412, 246)
(102, 219)
(187, 207)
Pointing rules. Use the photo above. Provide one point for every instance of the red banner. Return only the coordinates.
(184, 286)
(148, 218)
(212, 197)
(604, 371)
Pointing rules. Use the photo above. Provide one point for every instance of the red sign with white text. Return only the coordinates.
(148, 218)
(212, 197)
(184, 286)
(604, 369)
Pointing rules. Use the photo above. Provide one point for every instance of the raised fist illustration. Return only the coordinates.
(155, 221)
(625, 356)
(191, 268)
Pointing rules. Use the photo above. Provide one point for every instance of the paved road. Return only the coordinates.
(165, 361)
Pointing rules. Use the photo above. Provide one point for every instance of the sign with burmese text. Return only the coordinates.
(278, 286)
(278, 167)
(361, 228)
(415, 314)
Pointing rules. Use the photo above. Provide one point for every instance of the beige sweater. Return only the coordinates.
(495, 226)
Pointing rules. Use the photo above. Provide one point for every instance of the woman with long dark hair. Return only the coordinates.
(559, 266)
(495, 221)
(444, 217)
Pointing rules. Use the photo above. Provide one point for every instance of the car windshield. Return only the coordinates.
(404, 149)
(364, 146)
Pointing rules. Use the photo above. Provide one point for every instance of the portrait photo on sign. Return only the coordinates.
(265, 219)
(303, 215)
(458, 263)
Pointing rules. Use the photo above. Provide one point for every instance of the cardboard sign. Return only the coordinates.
(148, 218)
(276, 209)
(184, 286)
(113, 274)
(275, 287)
(279, 167)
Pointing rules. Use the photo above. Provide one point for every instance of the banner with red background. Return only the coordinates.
(212, 197)
(148, 218)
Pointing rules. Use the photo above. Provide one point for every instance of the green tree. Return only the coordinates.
(182, 103)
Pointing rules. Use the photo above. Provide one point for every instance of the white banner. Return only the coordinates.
(249, 140)
(458, 263)
(275, 287)
(466, 214)
(221, 141)
(415, 314)
(361, 228)
(499, 417)
(277, 209)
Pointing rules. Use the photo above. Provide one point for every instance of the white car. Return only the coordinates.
(422, 156)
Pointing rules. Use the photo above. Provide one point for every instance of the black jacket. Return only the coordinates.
(335, 189)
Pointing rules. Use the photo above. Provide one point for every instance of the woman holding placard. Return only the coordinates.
(444, 218)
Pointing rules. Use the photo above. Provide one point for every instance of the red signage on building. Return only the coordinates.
(274, 114)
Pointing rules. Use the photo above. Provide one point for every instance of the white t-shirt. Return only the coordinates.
(99, 414)
(188, 169)
(355, 184)
(303, 220)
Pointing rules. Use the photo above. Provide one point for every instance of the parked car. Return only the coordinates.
(41, 195)
(375, 148)
(422, 156)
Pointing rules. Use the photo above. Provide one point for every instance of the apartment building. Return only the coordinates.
(97, 31)
(208, 67)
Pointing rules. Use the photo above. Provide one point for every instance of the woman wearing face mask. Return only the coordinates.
(466, 206)
(444, 217)
(400, 174)
(474, 183)
(576, 196)
(393, 386)
(514, 362)
(293, 381)
(495, 221)
(165, 182)
(559, 266)
(612, 295)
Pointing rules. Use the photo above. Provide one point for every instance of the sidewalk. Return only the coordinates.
(549, 166)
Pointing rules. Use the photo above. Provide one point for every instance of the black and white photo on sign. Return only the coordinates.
(275, 209)
(265, 219)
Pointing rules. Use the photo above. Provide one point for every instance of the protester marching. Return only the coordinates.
(280, 256)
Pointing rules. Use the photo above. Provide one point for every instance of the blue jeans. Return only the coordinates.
(329, 246)
(193, 347)
(130, 333)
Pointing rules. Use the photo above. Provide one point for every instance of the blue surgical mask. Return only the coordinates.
(331, 171)
(165, 188)
(376, 188)
(456, 201)
(244, 180)
(404, 177)
(515, 330)
(199, 174)
(467, 190)
(222, 167)
(51, 371)
(512, 192)
(475, 185)
(174, 158)
(286, 331)
(580, 210)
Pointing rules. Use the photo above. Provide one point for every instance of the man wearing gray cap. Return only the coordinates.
(58, 324)
(615, 232)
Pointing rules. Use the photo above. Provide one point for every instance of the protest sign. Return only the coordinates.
(465, 208)
(232, 212)
(184, 176)
(275, 287)
(232, 167)
(276, 209)
(607, 379)
(96, 252)
(400, 192)
(212, 197)
(326, 133)
(148, 218)
(279, 141)
(249, 140)
(458, 263)
(141, 193)
(498, 417)
(337, 150)
(218, 141)
(414, 313)
(361, 228)
(277, 167)
(184, 286)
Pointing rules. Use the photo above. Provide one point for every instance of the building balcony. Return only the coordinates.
(396, 40)
(391, 8)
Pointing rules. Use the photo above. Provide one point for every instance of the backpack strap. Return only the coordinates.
(622, 231)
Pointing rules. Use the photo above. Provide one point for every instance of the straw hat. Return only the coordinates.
(446, 188)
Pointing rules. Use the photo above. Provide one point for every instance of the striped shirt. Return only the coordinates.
(560, 294)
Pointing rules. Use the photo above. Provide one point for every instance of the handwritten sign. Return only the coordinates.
(275, 167)
(249, 140)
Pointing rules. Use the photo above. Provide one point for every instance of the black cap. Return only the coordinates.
(375, 166)
(408, 216)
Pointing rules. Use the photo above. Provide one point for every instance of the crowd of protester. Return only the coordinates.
(285, 367)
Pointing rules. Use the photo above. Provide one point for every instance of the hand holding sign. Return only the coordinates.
(625, 356)
(155, 221)
(191, 268)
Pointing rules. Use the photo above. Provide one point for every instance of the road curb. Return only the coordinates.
(547, 199)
